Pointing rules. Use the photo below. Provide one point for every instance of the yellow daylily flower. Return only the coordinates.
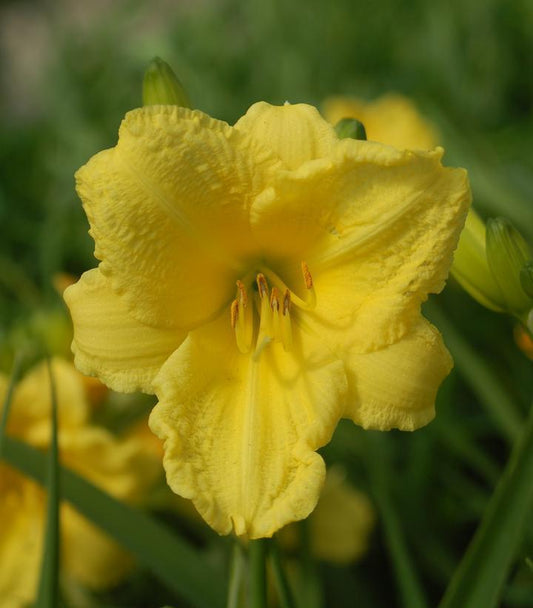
(120, 467)
(264, 280)
(391, 119)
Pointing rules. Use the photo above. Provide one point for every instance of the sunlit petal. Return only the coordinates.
(240, 434)
(395, 387)
(168, 208)
(109, 342)
(295, 133)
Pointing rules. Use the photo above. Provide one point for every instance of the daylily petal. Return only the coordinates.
(109, 342)
(168, 208)
(295, 133)
(377, 228)
(395, 387)
(240, 434)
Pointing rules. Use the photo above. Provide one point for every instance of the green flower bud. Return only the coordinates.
(507, 254)
(162, 87)
(470, 267)
(350, 127)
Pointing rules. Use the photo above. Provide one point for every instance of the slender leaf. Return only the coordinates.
(406, 576)
(286, 599)
(47, 596)
(481, 574)
(173, 561)
(236, 578)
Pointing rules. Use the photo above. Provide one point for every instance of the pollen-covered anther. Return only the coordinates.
(310, 299)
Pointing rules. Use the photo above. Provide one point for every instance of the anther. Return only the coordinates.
(262, 285)
(243, 298)
(274, 299)
(307, 276)
(286, 302)
(234, 313)
(308, 279)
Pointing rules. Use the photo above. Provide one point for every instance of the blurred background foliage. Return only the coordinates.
(71, 69)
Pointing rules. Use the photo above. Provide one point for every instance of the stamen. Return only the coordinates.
(265, 316)
(307, 276)
(234, 313)
(274, 307)
(262, 285)
(310, 300)
(287, 302)
(308, 279)
(285, 324)
(242, 319)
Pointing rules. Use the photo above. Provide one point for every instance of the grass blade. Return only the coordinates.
(478, 581)
(407, 579)
(47, 596)
(172, 560)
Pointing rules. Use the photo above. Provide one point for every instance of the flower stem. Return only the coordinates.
(236, 576)
(286, 598)
(258, 588)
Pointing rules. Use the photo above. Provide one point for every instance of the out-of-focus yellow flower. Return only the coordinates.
(392, 119)
(340, 525)
(119, 467)
(263, 280)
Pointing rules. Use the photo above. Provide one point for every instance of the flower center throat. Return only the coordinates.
(271, 303)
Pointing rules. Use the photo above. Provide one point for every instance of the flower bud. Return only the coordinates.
(507, 255)
(470, 267)
(162, 87)
(350, 128)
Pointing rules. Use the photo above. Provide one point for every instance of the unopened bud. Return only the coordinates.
(507, 255)
(350, 128)
(162, 87)
(470, 267)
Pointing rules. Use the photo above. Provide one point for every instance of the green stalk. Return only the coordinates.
(47, 596)
(479, 579)
(285, 595)
(236, 576)
(258, 588)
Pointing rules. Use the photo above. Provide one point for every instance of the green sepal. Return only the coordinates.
(526, 278)
(507, 254)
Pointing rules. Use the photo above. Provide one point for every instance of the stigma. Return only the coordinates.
(261, 313)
